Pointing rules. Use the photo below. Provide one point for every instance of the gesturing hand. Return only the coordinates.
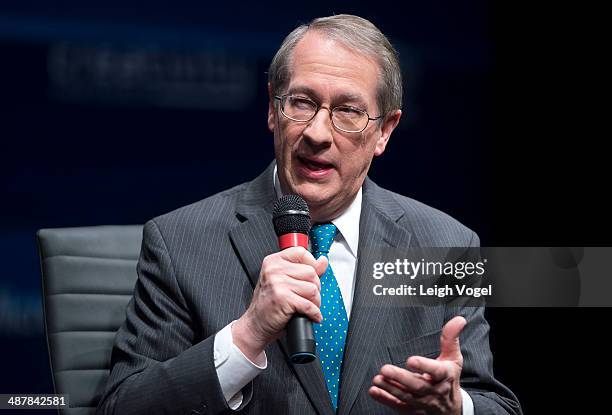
(432, 385)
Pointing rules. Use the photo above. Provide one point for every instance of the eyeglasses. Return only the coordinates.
(343, 117)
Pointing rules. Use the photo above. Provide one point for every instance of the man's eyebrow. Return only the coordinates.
(302, 89)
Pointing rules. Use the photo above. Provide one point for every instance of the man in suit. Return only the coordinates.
(204, 331)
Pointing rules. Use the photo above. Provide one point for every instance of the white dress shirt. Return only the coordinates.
(235, 370)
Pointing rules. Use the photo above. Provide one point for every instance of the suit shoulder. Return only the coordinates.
(431, 226)
(215, 210)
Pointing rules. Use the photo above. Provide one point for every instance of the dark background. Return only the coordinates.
(113, 113)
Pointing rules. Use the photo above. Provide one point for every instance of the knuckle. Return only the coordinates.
(268, 262)
(287, 307)
(405, 396)
(291, 250)
(299, 253)
(306, 255)
(387, 369)
(304, 307)
(303, 254)
(420, 389)
(276, 291)
(312, 290)
(301, 272)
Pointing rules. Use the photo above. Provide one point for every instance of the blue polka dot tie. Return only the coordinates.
(330, 334)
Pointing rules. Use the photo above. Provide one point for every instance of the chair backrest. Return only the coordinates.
(88, 276)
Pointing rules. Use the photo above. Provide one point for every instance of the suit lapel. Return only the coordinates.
(378, 229)
(254, 239)
(311, 378)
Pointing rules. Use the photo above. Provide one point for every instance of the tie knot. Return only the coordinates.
(321, 238)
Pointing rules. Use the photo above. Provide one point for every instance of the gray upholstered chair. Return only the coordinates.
(88, 275)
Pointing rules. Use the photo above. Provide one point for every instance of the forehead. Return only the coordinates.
(331, 69)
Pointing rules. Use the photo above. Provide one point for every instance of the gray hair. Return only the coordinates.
(356, 33)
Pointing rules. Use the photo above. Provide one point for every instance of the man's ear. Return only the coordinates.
(389, 124)
(271, 109)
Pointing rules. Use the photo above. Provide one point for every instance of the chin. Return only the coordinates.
(313, 194)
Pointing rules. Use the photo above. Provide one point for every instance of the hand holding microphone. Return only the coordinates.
(288, 285)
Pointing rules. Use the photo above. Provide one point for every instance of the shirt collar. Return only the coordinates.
(347, 223)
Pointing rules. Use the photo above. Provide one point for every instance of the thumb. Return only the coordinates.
(321, 265)
(449, 340)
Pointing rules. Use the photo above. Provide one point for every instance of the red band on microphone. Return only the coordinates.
(292, 239)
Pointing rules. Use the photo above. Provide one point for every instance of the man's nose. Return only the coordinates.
(319, 130)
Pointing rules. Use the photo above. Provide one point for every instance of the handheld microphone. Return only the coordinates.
(291, 220)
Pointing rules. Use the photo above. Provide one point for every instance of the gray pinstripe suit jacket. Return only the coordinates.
(196, 273)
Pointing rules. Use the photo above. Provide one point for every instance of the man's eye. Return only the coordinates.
(301, 103)
(348, 111)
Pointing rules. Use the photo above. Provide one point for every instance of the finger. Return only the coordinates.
(443, 389)
(306, 307)
(394, 388)
(437, 370)
(386, 398)
(298, 255)
(305, 290)
(321, 265)
(433, 402)
(412, 382)
(301, 272)
(449, 340)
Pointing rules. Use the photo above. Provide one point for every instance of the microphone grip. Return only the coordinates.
(301, 340)
(300, 334)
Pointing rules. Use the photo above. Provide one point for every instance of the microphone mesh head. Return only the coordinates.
(291, 215)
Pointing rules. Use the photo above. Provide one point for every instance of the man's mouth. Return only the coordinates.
(314, 168)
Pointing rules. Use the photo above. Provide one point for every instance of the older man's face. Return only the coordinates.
(322, 164)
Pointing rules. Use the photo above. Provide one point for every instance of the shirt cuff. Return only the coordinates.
(468, 405)
(234, 369)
